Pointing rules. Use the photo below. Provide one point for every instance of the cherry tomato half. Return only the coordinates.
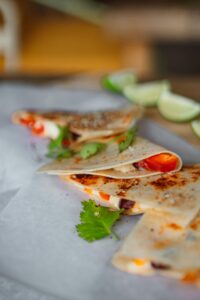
(37, 130)
(28, 121)
(164, 162)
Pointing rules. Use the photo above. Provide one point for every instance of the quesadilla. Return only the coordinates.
(101, 198)
(83, 126)
(142, 158)
(176, 193)
(159, 245)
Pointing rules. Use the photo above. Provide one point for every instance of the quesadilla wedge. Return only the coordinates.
(159, 245)
(83, 126)
(176, 193)
(142, 158)
(103, 199)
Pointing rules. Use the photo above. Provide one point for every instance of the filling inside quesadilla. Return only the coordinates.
(43, 125)
(105, 199)
(176, 193)
(83, 126)
(164, 162)
(139, 158)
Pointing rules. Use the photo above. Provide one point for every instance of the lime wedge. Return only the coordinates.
(196, 127)
(146, 94)
(116, 81)
(177, 108)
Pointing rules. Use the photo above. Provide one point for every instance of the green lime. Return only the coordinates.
(116, 81)
(177, 108)
(146, 94)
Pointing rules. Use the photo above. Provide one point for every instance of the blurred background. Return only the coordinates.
(48, 37)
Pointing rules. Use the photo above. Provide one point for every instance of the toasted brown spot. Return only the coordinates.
(162, 183)
(161, 244)
(195, 175)
(174, 226)
(159, 266)
(195, 225)
(190, 277)
(85, 179)
(165, 182)
(77, 160)
(126, 184)
(108, 180)
(99, 120)
(121, 193)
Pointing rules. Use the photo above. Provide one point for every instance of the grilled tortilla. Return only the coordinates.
(176, 193)
(158, 244)
(83, 126)
(111, 163)
(104, 199)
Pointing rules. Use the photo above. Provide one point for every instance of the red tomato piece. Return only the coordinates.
(164, 162)
(66, 143)
(38, 130)
(28, 121)
(104, 196)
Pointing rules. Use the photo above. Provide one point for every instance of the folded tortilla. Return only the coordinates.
(104, 199)
(158, 244)
(111, 163)
(83, 126)
(176, 193)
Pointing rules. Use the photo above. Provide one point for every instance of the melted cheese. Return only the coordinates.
(140, 266)
(126, 168)
(51, 130)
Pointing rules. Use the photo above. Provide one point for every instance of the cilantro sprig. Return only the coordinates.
(57, 148)
(96, 221)
(91, 149)
(126, 139)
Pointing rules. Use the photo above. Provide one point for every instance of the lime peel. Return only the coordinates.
(177, 108)
(146, 94)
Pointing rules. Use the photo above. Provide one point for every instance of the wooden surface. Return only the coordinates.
(154, 22)
(186, 86)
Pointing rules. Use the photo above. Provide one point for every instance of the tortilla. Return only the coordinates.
(84, 126)
(111, 162)
(159, 245)
(176, 193)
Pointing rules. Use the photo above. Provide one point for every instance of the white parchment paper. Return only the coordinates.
(39, 246)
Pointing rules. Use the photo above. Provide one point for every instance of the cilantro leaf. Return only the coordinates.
(59, 153)
(91, 149)
(96, 221)
(56, 148)
(64, 134)
(127, 139)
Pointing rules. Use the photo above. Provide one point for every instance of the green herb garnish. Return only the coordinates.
(96, 221)
(91, 149)
(60, 153)
(64, 134)
(127, 139)
(57, 148)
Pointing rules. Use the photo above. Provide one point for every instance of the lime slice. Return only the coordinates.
(146, 94)
(177, 108)
(115, 82)
(196, 127)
